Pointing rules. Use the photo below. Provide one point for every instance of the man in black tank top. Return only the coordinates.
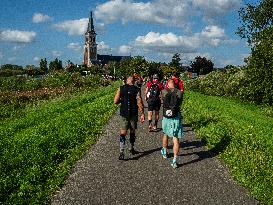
(129, 98)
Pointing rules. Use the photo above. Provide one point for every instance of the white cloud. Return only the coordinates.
(127, 10)
(56, 54)
(73, 27)
(17, 36)
(211, 36)
(76, 27)
(213, 9)
(36, 59)
(213, 32)
(103, 47)
(39, 18)
(74, 46)
(169, 12)
(125, 49)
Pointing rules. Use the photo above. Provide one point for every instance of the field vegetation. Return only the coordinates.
(39, 147)
(241, 134)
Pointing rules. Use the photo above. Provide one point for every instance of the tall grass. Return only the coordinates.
(241, 134)
(38, 150)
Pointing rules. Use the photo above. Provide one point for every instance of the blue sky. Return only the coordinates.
(156, 29)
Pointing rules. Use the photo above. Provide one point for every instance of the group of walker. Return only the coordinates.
(169, 95)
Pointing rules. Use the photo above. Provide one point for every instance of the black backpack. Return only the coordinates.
(171, 104)
(154, 92)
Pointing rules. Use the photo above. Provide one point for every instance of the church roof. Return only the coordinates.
(104, 59)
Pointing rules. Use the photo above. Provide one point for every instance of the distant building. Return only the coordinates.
(90, 45)
(90, 55)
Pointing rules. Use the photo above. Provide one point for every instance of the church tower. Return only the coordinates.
(90, 45)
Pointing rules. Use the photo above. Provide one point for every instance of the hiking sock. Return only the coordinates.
(122, 140)
(164, 152)
(174, 159)
(150, 122)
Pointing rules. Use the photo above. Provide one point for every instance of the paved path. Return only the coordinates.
(100, 178)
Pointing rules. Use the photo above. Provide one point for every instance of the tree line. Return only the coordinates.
(137, 64)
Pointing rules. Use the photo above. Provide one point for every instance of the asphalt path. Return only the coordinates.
(146, 178)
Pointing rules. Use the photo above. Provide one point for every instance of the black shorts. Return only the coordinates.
(154, 105)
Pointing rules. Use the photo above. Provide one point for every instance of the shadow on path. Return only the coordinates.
(145, 153)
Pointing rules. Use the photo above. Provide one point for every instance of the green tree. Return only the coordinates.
(43, 65)
(201, 65)
(55, 65)
(257, 28)
(175, 63)
(256, 22)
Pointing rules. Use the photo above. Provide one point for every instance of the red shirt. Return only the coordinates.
(160, 85)
(179, 83)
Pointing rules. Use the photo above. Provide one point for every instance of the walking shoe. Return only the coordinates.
(174, 164)
(121, 156)
(164, 153)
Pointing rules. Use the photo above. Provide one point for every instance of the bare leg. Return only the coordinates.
(165, 141)
(150, 118)
(164, 146)
(156, 119)
(175, 146)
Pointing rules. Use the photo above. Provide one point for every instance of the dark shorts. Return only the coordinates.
(129, 123)
(154, 105)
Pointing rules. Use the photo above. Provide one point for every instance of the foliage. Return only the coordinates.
(38, 149)
(43, 65)
(11, 67)
(201, 65)
(259, 73)
(175, 63)
(11, 70)
(18, 92)
(256, 21)
(257, 29)
(241, 134)
(55, 65)
(248, 84)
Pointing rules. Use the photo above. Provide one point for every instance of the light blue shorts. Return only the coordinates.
(173, 127)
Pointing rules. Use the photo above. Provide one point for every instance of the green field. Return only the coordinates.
(242, 135)
(38, 149)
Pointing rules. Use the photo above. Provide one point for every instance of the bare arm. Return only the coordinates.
(140, 104)
(146, 91)
(117, 97)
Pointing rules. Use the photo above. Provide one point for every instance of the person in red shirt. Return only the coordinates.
(152, 96)
(178, 83)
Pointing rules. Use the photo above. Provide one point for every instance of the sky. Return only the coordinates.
(31, 30)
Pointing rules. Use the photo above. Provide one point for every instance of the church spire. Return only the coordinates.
(91, 23)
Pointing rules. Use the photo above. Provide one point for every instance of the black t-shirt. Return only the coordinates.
(128, 99)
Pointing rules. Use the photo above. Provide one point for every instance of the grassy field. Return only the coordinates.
(242, 135)
(38, 149)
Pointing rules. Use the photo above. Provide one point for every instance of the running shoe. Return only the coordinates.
(164, 153)
(121, 156)
(174, 164)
